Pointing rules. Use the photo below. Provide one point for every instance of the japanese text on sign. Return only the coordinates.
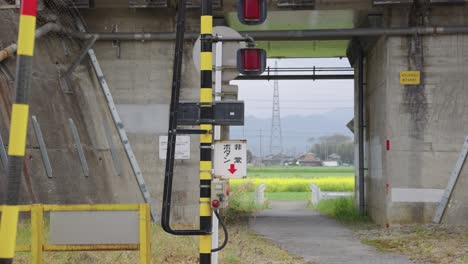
(230, 159)
(410, 77)
(182, 149)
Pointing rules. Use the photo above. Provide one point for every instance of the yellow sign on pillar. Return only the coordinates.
(410, 77)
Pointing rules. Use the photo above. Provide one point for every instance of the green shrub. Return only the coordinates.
(241, 202)
(343, 209)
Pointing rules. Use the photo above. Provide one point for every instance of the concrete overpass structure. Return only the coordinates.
(412, 133)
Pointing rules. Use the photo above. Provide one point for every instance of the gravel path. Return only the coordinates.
(316, 238)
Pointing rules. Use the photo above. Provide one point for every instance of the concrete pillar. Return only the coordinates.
(415, 132)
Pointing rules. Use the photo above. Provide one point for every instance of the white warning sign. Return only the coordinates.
(230, 158)
(182, 150)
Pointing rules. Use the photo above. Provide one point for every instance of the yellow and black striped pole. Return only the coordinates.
(18, 128)
(206, 140)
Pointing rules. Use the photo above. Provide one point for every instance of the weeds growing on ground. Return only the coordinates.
(343, 209)
(243, 247)
(241, 202)
(436, 244)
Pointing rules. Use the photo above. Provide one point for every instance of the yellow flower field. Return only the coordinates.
(330, 184)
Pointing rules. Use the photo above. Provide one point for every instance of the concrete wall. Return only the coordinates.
(425, 125)
(374, 115)
(53, 108)
(140, 82)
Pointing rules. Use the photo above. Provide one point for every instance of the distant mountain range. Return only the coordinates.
(297, 130)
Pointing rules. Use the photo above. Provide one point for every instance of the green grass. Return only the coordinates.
(241, 202)
(438, 244)
(343, 209)
(244, 247)
(299, 172)
(288, 196)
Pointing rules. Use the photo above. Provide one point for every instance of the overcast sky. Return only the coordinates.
(304, 97)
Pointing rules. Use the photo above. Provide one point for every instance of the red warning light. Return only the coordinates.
(252, 12)
(251, 61)
(215, 203)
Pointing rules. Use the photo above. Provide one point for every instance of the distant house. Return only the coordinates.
(309, 159)
(330, 163)
(334, 157)
(290, 162)
(278, 159)
(257, 161)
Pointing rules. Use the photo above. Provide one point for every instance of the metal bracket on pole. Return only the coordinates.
(224, 113)
(120, 128)
(193, 131)
(79, 147)
(248, 39)
(42, 147)
(3, 153)
(451, 184)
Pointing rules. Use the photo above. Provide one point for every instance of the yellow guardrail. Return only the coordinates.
(38, 245)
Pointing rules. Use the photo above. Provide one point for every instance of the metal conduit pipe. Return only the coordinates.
(7, 52)
(40, 32)
(50, 27)
(273, 35)
(344, 34)
(143, 36)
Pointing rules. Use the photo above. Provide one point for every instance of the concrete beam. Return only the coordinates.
(231, 5)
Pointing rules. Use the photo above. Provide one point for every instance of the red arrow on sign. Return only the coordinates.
(232, 169)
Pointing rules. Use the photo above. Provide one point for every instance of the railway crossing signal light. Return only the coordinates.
(251, 61)
(215, 204)
(252, 12)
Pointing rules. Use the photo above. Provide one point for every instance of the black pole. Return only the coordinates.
(206, 141)
(362, 206)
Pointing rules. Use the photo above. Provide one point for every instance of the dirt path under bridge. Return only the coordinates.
(316, 238)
